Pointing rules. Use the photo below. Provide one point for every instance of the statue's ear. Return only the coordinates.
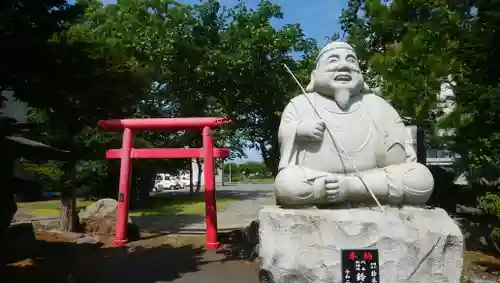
(310, 86)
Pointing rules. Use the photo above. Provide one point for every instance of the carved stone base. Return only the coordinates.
(415, 244)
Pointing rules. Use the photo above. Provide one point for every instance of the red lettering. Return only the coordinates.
(352, 256)
(368, 256)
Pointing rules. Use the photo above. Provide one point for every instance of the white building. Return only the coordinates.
(218, 174)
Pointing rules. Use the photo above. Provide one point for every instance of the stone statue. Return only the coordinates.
(350, 140)
(340, 145)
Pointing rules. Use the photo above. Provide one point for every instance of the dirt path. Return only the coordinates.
(150, 260)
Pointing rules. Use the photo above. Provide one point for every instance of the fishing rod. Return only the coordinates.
(358, 174)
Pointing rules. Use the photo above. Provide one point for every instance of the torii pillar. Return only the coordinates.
(127, 153)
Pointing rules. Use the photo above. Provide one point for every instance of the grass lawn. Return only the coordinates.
(263, 180)
(180, 204)
(256, 181)
(46, 208)
(170, 205)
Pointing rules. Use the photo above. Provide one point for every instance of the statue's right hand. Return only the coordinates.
(311, 130)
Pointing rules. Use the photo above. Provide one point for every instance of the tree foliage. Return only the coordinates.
(70, 80)
(414, 49)
(408, 48)
(211, 60)
(78, 63)
(238, 172)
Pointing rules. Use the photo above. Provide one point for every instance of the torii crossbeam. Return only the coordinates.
(127, 153)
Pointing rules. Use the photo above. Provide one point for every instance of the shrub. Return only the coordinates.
(490, 203)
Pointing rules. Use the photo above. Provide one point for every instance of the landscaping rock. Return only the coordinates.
(100, 218)
(88, 240)
(72, 236)
(101, 208)
(47, 224)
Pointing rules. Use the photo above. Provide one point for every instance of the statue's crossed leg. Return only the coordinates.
(409, 183)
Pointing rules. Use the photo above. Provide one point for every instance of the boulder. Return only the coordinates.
(100, 218)
(415, 244)
(101, 208)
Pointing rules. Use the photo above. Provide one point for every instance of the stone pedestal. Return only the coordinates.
(415, 244)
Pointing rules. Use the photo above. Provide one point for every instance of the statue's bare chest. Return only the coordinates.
(354, 132)
(349, 142)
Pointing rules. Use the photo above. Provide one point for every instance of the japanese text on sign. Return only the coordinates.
(360, 266)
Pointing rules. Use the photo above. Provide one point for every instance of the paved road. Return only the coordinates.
(259, 187)
(242, 213)
(238, 215)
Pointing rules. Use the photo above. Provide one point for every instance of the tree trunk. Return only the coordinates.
(68, 197)
(221, 164)
(198, 183)
(421, 151)
(191, 187)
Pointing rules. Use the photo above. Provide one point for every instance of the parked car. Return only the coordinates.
(185, 181)
(166, 182)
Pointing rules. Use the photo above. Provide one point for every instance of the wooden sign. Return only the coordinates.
(360, 266)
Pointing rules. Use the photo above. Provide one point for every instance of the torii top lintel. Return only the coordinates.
(163, 123)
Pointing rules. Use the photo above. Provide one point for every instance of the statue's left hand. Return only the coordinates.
(336, 188)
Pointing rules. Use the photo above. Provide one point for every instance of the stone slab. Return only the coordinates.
(415, 244)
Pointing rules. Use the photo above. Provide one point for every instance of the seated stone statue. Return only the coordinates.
(350, 140)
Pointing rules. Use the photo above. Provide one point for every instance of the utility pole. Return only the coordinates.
(229, 172)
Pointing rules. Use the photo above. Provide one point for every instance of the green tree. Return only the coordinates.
(69, 78)
(185, 85)
(254, 169)
(26, 31)
(413, 48)
(476, 117)
(408, 49)
(215, 61)
(260, 85)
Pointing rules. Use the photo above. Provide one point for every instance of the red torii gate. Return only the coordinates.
(127, 152)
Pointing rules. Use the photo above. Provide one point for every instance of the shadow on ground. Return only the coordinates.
(240, 244)
(176, 222)
(180, 259)
(233, 192)
(167, 224)
(164, 263)
(243, 194)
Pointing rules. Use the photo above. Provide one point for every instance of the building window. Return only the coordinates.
(441, 153)
(432, 153)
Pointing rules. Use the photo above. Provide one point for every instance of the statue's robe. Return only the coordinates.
(369, 137)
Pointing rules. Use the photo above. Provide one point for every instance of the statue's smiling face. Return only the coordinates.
(338, 69)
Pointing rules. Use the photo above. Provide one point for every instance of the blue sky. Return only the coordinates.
(318, 19)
